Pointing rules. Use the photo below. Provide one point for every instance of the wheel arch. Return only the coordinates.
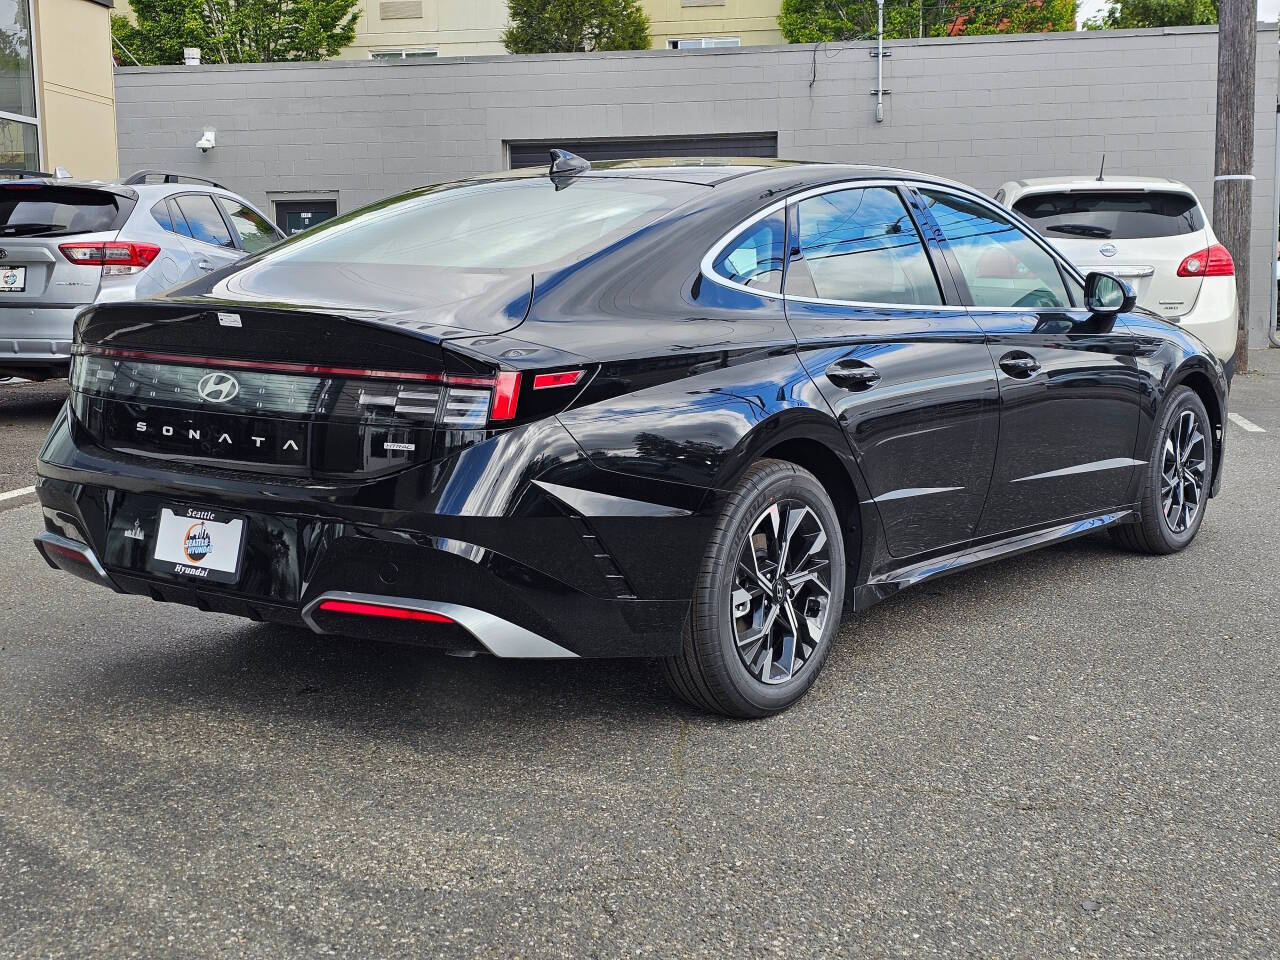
(819, 446)
(1201, 383)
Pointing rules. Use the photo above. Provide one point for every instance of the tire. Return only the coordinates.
(1179, 466)
(720, 668)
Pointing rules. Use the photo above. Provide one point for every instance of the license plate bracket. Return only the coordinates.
(197, 543)
(13, 279)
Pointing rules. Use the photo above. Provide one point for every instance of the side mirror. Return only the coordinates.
(1105, 295)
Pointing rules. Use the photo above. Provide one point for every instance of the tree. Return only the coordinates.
(575, 26)
(237, 31)
(1131, 14)
(820, 21)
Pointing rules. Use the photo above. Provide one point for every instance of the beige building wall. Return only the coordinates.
(455, 28)
(76, 92)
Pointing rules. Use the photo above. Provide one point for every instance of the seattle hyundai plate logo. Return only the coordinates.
(197, 544)
(9, 279)
(218, 387)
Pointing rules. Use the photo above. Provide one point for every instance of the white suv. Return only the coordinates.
(1148, 231)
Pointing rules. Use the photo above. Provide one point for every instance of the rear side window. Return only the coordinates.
(255, 233)
(754, 258)
(203, 218)
(34, 210)
(861, 245)
(517, 224)
(1112, 215)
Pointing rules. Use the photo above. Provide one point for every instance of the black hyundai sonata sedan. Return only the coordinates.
(693, 411)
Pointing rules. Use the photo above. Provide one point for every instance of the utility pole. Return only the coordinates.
(1233, 153)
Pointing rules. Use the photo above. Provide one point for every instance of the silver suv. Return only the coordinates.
(67, 243)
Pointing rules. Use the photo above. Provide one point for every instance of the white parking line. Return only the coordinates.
(1244, 424)
(13, 494)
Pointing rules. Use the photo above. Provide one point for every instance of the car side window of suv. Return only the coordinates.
(165, 214)
(255, 233)
(860, 245)
(204, 219)
(1002, 265)
(754, 258)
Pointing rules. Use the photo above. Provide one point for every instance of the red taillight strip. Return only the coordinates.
(505, 395)
(568, 378)
(273, 366)
(378, 610)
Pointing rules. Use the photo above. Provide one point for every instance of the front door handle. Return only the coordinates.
(853, 375)
(1019, 364)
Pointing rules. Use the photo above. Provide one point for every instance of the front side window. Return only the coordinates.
(255, 233)
(861, 245)
(1002, 266)
(754, 258)
(203, 218)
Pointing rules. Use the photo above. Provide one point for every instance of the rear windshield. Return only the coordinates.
(30, 210)
(1111, 215)
(499, 225)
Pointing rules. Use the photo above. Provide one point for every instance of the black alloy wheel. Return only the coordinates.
(768, 599)
(1176, 479)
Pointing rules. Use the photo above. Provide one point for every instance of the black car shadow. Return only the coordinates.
(267, 670)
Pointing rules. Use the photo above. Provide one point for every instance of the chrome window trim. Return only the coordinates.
(708, 271)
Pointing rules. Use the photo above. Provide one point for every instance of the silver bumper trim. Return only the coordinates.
(500, 637)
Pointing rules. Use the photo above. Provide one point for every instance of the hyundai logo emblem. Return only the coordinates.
(218, 387)
(1107, 249)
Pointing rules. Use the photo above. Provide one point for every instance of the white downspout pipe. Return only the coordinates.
(879, 61)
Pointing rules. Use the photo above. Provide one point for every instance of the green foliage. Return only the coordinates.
(819, 21)
(1132, 14)
(575, 26)
(237, 31)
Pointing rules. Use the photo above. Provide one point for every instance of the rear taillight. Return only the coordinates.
(114, 257)
(1213, 262)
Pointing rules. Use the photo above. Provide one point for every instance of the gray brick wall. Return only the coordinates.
(982, 110)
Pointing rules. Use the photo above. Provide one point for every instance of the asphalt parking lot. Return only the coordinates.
(1073, 753)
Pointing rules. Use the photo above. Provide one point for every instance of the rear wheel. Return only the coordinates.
(768, 598)
(1176, 479)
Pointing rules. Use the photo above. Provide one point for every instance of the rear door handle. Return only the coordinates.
(1019, 364)
(853, 375)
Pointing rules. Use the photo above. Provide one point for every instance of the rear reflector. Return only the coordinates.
(379, 610)
(566, 379)
(70, 553)
(1213, 262)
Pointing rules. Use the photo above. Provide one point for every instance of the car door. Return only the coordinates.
(207, 238)
(904, 368)
(1070, 389)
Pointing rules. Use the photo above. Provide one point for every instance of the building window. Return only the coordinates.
(696, 42)
(397, 54)
(19, 128)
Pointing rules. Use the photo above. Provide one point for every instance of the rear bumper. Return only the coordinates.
(1214, 317)
(524, 577)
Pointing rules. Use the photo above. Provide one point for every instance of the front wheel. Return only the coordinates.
(1176, 479)
(768, 599)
